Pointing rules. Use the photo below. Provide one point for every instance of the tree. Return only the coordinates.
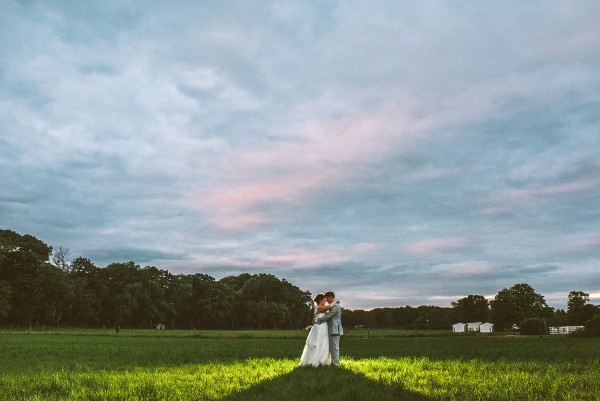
(25, 266)
(558, 318)
(151, 305)
(577, 299)
(181, 297)
(355, 317)
(86, 305)
(5, 291)
(58, 295)
(405, 317)
(60, 258)
(473, 308)
(265, 301)
(120, 291)
(532, 326)
(592, 326)
(236, 282)
(12, 242)
(41, 286)
(381, 318)
(512, 305)
(436, 317)
(213, 303)
(579, 310)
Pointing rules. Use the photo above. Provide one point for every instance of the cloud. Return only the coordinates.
(368, 148)
(436, 245)
(519, 197)
(588, 242)
(319, 155)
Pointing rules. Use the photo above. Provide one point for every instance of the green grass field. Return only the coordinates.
(261, 365)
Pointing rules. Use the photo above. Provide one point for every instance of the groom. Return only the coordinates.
(334, 325)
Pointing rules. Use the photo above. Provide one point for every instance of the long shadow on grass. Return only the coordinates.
(324, 384)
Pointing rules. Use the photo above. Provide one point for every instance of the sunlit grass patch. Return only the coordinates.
(210, 381)
(484, 380)
(87, 367)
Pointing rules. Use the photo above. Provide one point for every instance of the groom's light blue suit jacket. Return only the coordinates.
(334, 320)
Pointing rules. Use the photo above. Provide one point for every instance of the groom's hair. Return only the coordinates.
(330, 294)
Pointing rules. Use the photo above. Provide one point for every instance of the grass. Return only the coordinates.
(151, 365)
(298, 334)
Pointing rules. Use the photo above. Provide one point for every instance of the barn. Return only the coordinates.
(486, 328)
(459, 328)
(474, 326)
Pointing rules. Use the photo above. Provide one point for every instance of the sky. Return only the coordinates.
(398, 153)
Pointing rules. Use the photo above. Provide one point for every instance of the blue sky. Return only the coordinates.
(399, 153)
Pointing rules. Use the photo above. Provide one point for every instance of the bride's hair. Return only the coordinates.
(318, 298)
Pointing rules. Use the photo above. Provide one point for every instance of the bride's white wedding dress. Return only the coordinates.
(316, 350)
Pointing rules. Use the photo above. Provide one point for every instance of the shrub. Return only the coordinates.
(592, 326)
(532, 326)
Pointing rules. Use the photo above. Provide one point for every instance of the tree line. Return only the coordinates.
(35, 290)
(39, 285)
(519, 307)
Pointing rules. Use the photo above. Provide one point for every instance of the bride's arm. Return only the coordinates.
(326, 307)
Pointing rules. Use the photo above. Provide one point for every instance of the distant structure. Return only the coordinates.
(477, 327)
(486, 328)
(564, 329)
(160, 326)
(474, 326)
(459, 327)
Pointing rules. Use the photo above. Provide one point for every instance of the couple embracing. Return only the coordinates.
(323, 341)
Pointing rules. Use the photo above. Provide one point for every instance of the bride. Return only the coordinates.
(316, 350)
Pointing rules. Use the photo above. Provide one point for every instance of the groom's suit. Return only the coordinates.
(334, 326)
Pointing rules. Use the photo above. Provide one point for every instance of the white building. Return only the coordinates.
(474, 326)
(486, 328)
(459, 328)
(564, 329)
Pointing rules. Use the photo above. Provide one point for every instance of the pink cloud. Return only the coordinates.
(291, 254)
(585, 243)
(242, 207)
(470, 268)
(436, 245)
(263, 185)
(314, 255)
(515, 198)
(304, 258)
(323, 146)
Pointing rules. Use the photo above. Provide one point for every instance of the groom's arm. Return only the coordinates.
(329, 314)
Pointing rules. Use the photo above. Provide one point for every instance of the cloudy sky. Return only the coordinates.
(400, 153)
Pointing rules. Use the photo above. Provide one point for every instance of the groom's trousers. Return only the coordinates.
(334, 349)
